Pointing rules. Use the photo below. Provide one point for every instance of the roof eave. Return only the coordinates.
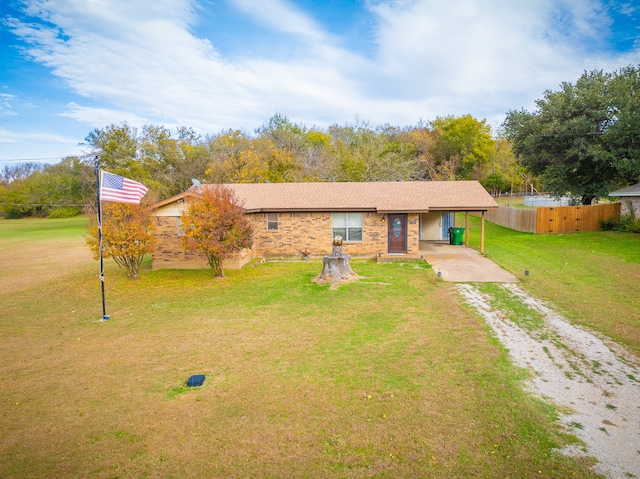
(463, 208)
(306, 210)
(174, 199)
(395, 211)
(621, 194)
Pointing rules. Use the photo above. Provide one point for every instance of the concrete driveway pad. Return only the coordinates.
(460, 264)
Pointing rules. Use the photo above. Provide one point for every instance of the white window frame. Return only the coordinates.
(349, 226)
(271, 222)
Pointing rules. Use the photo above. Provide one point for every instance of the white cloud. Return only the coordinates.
(11, 136)
(283, 16)
(433, 58)
(100, 117)
(30, 146)
(6, 104)
(156, 68)
(487, 57)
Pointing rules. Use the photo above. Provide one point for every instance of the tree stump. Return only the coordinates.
(336, 268)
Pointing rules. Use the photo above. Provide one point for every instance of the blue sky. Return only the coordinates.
(70, 66)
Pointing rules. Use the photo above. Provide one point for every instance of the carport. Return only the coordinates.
(435, 223)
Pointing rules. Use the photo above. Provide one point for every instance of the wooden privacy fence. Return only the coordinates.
(570, 219)
(513, 218)
(555, 219)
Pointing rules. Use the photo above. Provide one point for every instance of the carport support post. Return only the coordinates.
(466, 229)
(482, 235)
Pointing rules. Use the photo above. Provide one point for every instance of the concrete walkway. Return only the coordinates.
(460, 264)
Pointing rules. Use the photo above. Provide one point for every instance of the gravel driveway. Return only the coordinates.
(596, 382)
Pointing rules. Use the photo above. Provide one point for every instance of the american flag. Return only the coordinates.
(120, 189)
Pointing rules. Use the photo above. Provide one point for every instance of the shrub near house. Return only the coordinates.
(215, 226)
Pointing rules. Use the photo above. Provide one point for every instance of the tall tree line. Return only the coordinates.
(166, 161)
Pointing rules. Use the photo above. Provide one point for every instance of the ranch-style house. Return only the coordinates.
(385, 220)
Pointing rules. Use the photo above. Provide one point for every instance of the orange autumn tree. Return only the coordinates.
(214, 225)
(127, 233)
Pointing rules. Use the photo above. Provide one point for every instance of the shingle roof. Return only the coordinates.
(398, 196)
(633, 190)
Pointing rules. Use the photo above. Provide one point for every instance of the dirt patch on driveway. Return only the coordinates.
(595, 383)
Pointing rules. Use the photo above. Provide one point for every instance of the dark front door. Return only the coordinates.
(398, 233)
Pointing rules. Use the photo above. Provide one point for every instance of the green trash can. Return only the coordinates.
(455, 236)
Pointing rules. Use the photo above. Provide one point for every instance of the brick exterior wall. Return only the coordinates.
(629, 203)
(314, 232)
(169, 252)
(296, 232)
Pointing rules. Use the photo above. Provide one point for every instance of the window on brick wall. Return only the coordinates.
(272, 221)
(180, 230)
(348, 225)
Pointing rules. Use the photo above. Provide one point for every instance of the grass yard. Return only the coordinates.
(591, 278)
(34, 250)
(513, 202)
(385, 377)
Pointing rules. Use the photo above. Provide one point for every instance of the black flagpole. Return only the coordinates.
(104, 308)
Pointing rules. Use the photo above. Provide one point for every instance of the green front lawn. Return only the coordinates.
(389, 376)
